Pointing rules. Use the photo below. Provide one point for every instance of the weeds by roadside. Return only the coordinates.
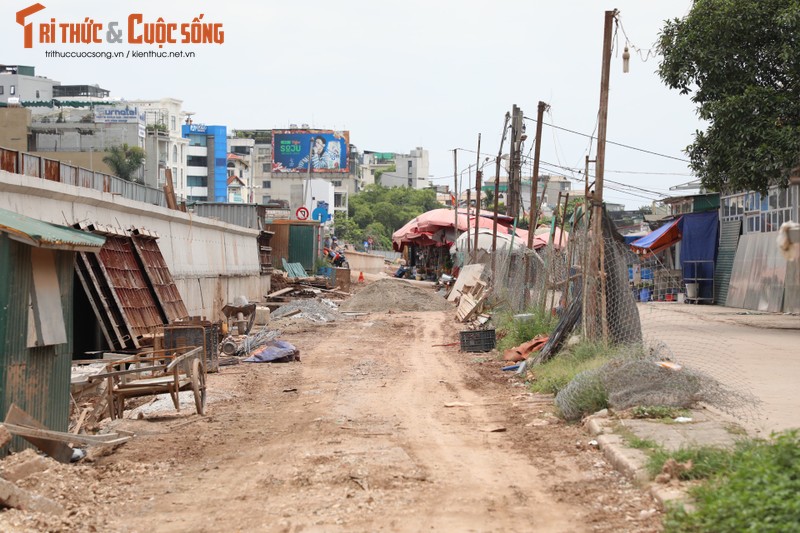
(752, 488)
(514, 331)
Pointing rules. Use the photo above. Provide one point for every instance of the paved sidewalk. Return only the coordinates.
(611, 434)
(763, 349)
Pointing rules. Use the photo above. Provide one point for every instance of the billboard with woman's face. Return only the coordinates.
(321, 150)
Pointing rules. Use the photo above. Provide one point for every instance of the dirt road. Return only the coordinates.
(357, 437)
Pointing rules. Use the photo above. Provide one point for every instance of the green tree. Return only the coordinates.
(125, 161)
(487, 200)
(738, 60)
(379, 173)
(378, 212)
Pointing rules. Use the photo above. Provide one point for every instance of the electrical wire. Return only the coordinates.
(611, 142)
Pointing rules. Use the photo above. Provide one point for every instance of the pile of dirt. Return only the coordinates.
(395, 295)
(80, 489)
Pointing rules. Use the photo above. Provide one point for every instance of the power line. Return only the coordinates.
(611, 142)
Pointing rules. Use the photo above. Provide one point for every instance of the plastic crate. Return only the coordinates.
(481, 340)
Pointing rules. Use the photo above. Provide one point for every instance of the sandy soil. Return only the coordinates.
(356, 437)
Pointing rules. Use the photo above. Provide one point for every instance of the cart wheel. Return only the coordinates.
(199, 386)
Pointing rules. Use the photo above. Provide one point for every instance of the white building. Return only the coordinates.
(22, 83)
(241, 162)
(411, 170)
(165, 146)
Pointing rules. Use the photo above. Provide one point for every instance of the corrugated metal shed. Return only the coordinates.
(44, 235)
(36, 378)
(294, 241)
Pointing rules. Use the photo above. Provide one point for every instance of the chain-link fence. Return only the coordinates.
(603, 292)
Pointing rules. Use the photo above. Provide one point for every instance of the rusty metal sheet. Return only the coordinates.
(8, 160)
(52, 170)
(128, 281)
(69, 174)
(30, 165)
(159, 276)
(85, 178)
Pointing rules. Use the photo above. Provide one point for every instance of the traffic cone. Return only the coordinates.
(361, 277)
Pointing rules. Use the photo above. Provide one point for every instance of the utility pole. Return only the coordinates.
(478, 183)
(598, 269)
(455, 194)
(537, 150)
(497, 192)
(515, 160)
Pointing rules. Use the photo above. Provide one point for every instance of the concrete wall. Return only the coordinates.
(14, 122)
(361, 262)
(212, 262)
(91, 160)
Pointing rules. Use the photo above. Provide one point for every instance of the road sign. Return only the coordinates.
(301, 213)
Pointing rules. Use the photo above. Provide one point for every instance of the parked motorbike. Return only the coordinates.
(336, 257)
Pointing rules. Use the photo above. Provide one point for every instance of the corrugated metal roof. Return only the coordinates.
(45, 235)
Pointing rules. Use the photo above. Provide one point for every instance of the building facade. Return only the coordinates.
(165, 144)
(411, 170)
(241, 160)
(206, 163)
(20, 84)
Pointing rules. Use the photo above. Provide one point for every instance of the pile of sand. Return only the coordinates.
(395, 295)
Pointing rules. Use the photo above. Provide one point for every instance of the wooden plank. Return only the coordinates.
(61, 437)
(77, 428)
(287, 290)
(57, 450)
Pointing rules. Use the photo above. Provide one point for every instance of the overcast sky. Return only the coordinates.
(399, 75)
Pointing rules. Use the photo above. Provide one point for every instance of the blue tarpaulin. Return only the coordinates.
(662, 238)
(700, 238)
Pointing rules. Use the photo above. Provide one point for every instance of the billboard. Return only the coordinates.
(120, 114)
(322, 150)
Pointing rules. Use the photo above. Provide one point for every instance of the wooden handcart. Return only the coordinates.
(155, 372)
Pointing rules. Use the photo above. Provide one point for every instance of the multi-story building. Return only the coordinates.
(206, 163)
(411, 170)
(165, 144)
(21, 84)
(375, 163)
(241, 159)
(284, 162)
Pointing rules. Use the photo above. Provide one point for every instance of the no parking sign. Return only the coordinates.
(302, 213)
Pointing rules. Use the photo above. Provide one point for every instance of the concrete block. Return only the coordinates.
(13, 496)
(25, 469)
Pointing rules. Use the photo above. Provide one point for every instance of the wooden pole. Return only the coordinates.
(535, 178)
(455, 194)
(478, 183)
(497, 192)
(597, 199)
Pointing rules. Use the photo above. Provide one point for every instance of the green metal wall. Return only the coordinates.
(303, 245)
(36, 379)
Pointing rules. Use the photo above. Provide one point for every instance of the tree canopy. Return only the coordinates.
(378, 212)
(740, 62)
(125, 161)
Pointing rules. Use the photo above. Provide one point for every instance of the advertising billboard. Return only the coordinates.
(120, 114)
(322, 150)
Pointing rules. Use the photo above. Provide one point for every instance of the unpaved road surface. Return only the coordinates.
(355, 437)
